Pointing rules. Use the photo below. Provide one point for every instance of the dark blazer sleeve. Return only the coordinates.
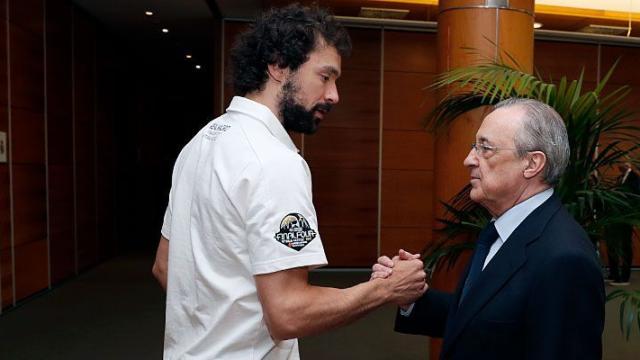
(565, 316)
(429, 315)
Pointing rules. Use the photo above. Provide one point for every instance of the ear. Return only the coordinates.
(277, 73)
(536, 160)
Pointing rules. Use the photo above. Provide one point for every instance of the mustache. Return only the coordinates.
(325, 107)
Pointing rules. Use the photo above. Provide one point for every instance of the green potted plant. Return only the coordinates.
(601, 135)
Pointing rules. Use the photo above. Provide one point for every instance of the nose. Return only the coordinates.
(472, 159)
(331, 95)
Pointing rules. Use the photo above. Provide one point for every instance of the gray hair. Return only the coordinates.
(542, 130)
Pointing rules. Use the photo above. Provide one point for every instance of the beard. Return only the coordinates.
(295, 117)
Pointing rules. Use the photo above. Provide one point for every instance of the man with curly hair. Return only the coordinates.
(240, 232)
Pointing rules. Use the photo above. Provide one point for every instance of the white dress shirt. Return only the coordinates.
(240, 205)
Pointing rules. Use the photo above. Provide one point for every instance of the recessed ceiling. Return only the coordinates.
(189, 21)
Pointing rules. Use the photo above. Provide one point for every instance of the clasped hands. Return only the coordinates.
(405, 275)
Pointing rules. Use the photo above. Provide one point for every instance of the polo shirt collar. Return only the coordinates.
(263, 114)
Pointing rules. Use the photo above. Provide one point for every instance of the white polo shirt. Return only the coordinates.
(240, 205)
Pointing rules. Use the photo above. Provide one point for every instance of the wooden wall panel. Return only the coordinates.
(627, 69)
(84, 36)
(349, 246)
(6, 263)
(28, 14)
(406, 102)
(344, 156)
(342, 148)
(346, 204)
(106, 87)
(31, 268)
(61, 225)
(60, 140)
(27, 129)
(3, 55)
(359, 106)
(27, 69)
(411, 239)
(41, 146)
(366, 50)
(407, 196)
(407, 148)
(30, 214)
(575, 57)
(346, 197)
(26, 53)
(410, 51)
(30, 229)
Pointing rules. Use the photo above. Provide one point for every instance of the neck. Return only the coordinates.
(267, 97)
(526, 192)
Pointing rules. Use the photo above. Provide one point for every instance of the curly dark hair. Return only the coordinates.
(283, 36)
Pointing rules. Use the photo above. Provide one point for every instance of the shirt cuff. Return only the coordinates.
(407, 313)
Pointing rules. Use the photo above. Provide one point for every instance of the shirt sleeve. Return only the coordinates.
(407, 312)
(168, 213)
(281, 222)
(166, 224)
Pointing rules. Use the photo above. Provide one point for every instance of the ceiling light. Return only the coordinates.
(148, 13)
(165, 30)
(188, 56)
(383, 13)
(604, 29)
(198, 67)
(537, 25)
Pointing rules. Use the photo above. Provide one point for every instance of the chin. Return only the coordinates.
(474, 196)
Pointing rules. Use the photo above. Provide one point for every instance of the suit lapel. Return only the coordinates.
(507, 261)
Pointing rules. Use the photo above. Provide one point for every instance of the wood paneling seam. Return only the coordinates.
(497, 39)
(222, 55)
(73, 140)
(599, 63)
(380, 133)
(95, 146)
(46, 140)
(10, 158)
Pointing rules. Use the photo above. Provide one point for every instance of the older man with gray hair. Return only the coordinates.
(533, 289)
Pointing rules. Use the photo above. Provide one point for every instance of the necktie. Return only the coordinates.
(487, 236)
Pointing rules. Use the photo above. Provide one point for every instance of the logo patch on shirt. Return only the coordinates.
(295, 231)
(215, 130)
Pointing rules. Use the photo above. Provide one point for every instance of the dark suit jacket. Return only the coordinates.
(540, 297)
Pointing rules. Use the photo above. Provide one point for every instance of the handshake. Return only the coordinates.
(403, 276)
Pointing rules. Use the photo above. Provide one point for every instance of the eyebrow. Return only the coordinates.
(331, 70)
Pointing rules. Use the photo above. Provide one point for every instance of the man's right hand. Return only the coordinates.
(407, 281)
(385, 269)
